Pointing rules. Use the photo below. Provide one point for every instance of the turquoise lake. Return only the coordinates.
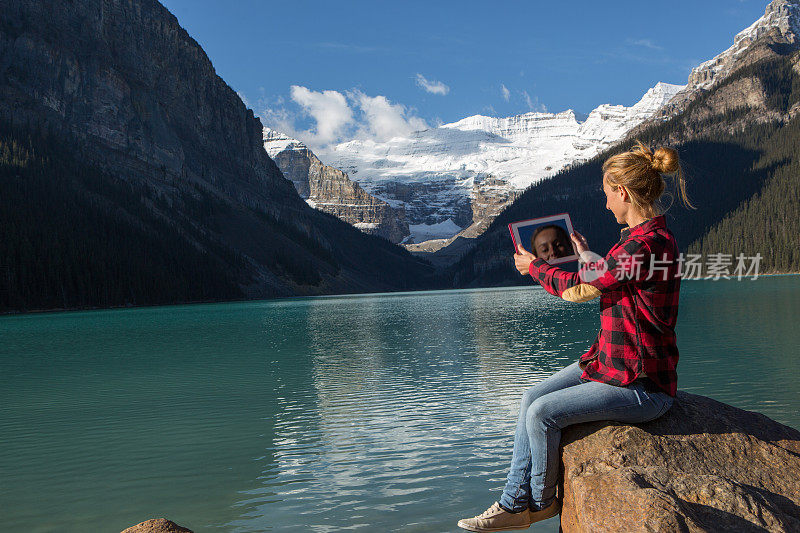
(390, 412)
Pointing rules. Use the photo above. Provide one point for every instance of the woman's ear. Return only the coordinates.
(624, 195)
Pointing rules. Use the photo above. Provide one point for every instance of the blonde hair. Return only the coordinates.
(639, 171)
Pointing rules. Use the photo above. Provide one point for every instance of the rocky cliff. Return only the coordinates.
(775, 34)
(489, 196)
(125, 79)
(704, 466)
(121, 89)
(330, 190)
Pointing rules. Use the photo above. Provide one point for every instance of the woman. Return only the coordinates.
(628, 374)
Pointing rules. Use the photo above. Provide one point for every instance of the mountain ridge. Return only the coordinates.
(779, 26)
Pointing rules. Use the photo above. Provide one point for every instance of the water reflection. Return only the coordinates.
(411, 404)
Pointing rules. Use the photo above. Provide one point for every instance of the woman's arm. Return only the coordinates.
(623, 264)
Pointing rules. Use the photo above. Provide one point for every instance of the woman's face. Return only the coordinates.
(549, 244)
(615, 201)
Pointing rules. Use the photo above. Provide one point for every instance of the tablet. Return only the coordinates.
(548, 236)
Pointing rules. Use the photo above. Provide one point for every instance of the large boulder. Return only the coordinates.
(703, 466)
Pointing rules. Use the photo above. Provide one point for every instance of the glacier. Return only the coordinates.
(435, 173)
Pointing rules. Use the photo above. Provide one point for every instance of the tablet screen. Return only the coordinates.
(545, 237)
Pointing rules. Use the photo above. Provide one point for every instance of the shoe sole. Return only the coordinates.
(550, 512)
(490, 530)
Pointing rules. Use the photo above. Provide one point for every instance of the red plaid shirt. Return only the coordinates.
(638, 283)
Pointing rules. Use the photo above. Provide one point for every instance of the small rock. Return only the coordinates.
(157, 525)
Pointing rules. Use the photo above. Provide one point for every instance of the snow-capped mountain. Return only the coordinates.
(780, 25)
(781, 16)
(461, 174)
(436, 173)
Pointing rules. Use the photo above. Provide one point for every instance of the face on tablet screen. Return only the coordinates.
(550, 241)
(547, 238)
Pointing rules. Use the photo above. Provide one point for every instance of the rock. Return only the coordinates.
(425, 201)
(331, 190)
(704, 466)
(157, 525)
(490, 195)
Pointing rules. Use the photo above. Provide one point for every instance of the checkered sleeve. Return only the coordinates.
(553, 279)
(624, 263)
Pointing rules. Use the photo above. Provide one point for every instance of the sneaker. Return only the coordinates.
(495, 518)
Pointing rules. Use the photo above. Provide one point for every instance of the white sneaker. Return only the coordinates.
(495, 518)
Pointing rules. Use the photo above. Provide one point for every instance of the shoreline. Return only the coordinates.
(244, 300)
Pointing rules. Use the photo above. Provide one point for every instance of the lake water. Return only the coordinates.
(390, 412)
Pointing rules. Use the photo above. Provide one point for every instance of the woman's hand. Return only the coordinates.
(523, 259)
(579, 242)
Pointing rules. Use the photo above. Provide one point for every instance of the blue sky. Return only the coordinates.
(440, 61)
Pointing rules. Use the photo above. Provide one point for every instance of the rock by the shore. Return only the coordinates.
(703, 466)
(157, 525)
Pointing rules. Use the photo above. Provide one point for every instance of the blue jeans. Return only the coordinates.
(547, 408)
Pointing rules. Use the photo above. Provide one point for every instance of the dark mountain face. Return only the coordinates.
(116, 89)
(128, 81)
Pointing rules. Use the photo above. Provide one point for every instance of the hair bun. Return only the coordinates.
(665, 160)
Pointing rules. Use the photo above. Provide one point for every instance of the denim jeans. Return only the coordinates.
(547, 408)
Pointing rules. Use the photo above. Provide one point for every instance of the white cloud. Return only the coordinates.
(278, 118)
(244, 99)
(645, 43)
(533, 103)
(505, 92)
(274, 115)
(330, 112)
(331, 117)
(384, 120)
(431, 86)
